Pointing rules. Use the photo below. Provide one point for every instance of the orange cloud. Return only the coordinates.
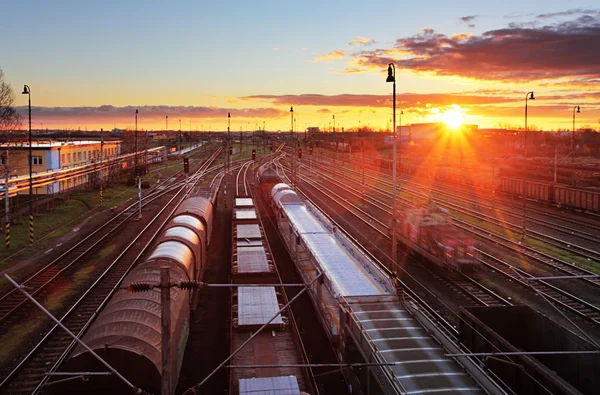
(361, 41)
(517, 53)
(408, 99)
(337, 54)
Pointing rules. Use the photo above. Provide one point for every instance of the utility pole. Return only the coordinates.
(6, 201)
(101, 162)
(165, 320)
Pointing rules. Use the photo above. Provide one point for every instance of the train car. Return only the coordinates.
(554, 194)
(541, 191)
(317, 248)
(127, 332)
(577, 198)
(429, 232)
(252, 307)
(251, 259)
(512, 186)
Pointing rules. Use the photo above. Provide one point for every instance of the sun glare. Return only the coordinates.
(452, 118)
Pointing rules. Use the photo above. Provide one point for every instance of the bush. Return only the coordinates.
(130, 182)
(145, 184)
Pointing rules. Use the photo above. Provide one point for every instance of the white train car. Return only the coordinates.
(316, 248)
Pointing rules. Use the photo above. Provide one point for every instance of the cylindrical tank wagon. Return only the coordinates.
(127, 333)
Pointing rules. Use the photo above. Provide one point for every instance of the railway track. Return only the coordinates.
(12, 301)
(506, 200)
(30, 374)
(431, 193)
(562, 266)
(406, 293)
(463, 284)
(559, 297)
(556, 295)
(538, 256)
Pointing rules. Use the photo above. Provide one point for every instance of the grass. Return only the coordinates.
(538, 245)
(106, 251)
(13, 339)
(50, 226)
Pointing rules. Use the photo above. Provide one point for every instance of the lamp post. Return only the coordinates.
(27, 91)
(179, 137)
(135, 164)
(294, 153)
(528, 96)
(166, 123)
(392, 78)
(101, 161)
(228, 140)
(400, 140)
(576, 110)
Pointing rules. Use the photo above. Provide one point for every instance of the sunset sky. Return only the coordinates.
(91, 64)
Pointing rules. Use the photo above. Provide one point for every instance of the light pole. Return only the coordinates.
(179, 138)
(27, 91)
(228, 141)
(294, 153)
(135, 164)
(392, 78)
(400, 141)
(576, 110)
(528, 96)
(101, 161)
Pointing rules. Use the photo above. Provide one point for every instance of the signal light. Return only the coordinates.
(186, 165)
(230, 150)
(253, 154)
(271, 146)
(310, 150)
(299, 153)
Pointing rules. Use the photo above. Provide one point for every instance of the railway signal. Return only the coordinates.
(299, 153)
(231, 150)
(186, 165)
(310, 150)
(253, 154)
(271, 147)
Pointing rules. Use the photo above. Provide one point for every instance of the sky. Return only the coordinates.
(91, 64)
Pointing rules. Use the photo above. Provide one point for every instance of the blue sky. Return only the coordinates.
(190, 53)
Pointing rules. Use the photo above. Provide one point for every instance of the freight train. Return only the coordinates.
(554, 194)
(429, 232)
(251, 307)
(127, 332)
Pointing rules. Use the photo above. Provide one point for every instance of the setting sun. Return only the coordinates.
(452, 118)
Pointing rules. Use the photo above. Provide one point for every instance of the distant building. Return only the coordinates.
(417, 132)
(55, 155)
(311, 130)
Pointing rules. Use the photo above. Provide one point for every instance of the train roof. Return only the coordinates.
(287, 196)
(346, 275)
(278, 187)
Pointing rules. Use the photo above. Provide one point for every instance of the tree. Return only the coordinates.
(9, 118)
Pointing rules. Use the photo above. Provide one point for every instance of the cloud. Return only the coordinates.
(324, 111)
(404, 99)
(515, 53)
(467, 19)
(571, 12)
(111, 114)
(337, 54)
(276, 49)
(361, 41)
